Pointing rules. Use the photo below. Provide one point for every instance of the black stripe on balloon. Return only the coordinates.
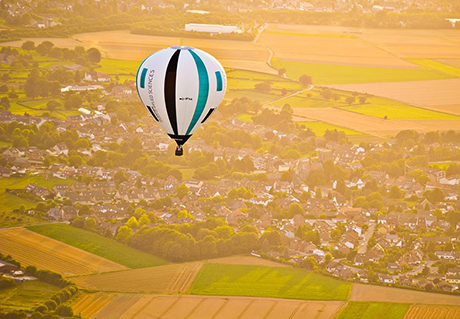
(207, 115)
(170, 90)
(180, 139)
(153, 114)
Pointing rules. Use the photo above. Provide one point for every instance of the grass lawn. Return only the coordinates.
(27, 296)
(245, 117)
(372, 310)
(21, 182)
(114, 66)
(323, 73)
(99, 245)
(277, 282)
(319, 128)
(15, 219)
(10, 202)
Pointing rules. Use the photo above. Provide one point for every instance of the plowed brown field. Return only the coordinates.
(175, 278)
(432, 312)
(30, 248)
(361, 292)
(197, 307)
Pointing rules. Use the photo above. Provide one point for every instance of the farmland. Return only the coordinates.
(27, 296)
(432, 312)
(373, 125)
(175, 278)
(30, 248)
(10, 202)
(361, 292)
(246, 260)
(420, 93)
(199, 307)
(98, 245)
(279, 282)
(371, 310)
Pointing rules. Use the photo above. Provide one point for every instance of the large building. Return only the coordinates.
(212, 28)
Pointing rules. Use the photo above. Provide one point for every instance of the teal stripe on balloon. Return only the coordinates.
(203, 90)
(143, 75)
(219, 81)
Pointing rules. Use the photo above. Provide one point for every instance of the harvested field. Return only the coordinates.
(304, 46)
(373, 125)
(361, 292)
(175, 278)
(432, 312)
(246, 260)
(89, 304)
(30, 248)
(197, 307)
(421, 93)
(126, 46)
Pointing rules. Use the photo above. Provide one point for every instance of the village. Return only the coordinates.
(319, 227)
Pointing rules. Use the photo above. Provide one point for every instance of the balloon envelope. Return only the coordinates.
(181, 87)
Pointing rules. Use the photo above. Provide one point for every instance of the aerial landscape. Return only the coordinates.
(314, 173)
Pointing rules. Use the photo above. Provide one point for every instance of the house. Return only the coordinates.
(386, 279)
(6, 267)
(453, 279)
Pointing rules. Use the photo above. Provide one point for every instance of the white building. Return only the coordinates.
(212, 28)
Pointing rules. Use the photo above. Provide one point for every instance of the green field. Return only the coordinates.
(99, 245)
(319, 128)
(323, 73)
(10, 202)
(436, 65)
(372, 310)
(119, 67)
(251, 94)
(277, 282)
(27, 296)
(10, 219)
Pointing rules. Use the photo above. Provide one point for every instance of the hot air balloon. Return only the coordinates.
(181, 87)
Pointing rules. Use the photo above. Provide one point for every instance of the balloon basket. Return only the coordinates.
(179, 151)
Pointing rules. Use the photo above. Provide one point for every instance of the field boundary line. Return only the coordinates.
(177, 279)
(143, 307)
(295, 311)
(245, 309)
(270, 310)
(195, 308)
(320, 312)
(170, 307)
(220, 308)
(190, 278)
(339, 310)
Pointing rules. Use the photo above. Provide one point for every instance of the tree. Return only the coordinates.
(273, 237)
(28, 45)
(5, 102)
(120, 177)
(73, 101)
(52, 105)
(64, 310)
(93, 55)
(132, 223)
(295, 209)
(144, 220)
(90, 224)
(4, 88)
(350, 100)
(263, 87)
(281, 71)
(305, 80)
(182, 191)
(395, 192)
(283, 91)
(362, 99)
(124, 233)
